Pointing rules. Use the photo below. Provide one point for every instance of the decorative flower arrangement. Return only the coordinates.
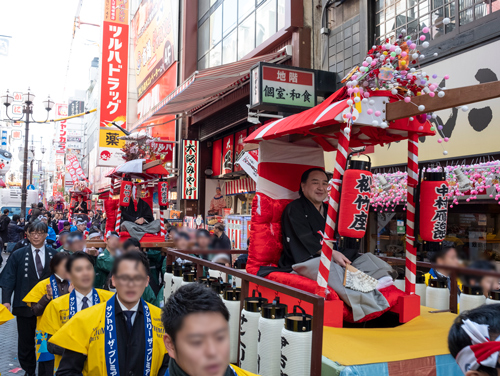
(138, 149)
(484, 179)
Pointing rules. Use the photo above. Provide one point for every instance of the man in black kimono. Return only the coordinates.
(137, 218)
(25, 268)
(80, 206)
(302, 220)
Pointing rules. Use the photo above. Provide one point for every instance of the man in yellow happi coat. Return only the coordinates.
(123, 336)
(196, 323)
(80, 268)
(5, 314)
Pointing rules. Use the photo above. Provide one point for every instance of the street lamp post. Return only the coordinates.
(27, 110)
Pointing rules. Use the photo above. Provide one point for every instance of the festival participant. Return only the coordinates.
(131, 244)
(80, 269)
(5, 314)
(203, 240)
(39, 297)
(137, 218)
(75, 242)
(81, 225)
(24, 269)
(63, 237)
(80, 206)
(487, 283)
(105, 260)
(474, 341)
(303, 221)
(123, 336)
(221, 240)
(67, 226)
(197, 333)
(15, 232)
(446, 256)
(51, 234)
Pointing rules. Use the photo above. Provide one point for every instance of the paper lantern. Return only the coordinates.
(354, 203)
(433, 209)
(125, 192)
(163, 194)
(231, 299)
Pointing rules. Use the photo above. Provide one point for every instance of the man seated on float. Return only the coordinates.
(80, 206)
(137, 218)
(303, 221)
(197, 333)
(123, 336)
(446, 256)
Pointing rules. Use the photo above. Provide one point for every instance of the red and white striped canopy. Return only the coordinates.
(208, 85)
(240, 186)
(329, 116)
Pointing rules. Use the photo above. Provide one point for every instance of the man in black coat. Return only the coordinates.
(24, 269)
(4, 225)
(221, 240)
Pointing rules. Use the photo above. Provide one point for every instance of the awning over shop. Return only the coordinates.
(208, 85)
(240, 186)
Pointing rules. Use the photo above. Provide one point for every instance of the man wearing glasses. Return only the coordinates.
(25, 268)
(123, 336)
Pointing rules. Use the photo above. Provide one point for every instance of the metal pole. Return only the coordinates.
(24, 193)
(31, 171)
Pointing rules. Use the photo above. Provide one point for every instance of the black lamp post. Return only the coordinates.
(28, 111)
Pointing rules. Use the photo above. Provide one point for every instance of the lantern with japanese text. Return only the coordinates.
(126, 192)
(354, 203)
(433, 209)
(163, 194)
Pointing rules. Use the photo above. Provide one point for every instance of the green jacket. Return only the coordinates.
(154, 257)
(149, 295)
(103, 267)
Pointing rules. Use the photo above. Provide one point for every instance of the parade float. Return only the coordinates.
(389, 98)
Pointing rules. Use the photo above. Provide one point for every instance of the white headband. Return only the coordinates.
(482, 352)
(111, 234)
(94, 235)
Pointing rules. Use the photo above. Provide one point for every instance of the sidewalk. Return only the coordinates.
(8, 343)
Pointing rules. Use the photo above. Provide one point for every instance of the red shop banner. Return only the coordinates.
(239, 140)
(227, 154)
(190, 152)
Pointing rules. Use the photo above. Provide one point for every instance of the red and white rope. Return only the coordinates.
(162, 224)
(118, 219)
(411, 251)
(333, 206)
(112, 188)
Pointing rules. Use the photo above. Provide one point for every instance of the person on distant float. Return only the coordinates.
(217, 204)
(303, 222)
(81, 206)
(137, 218)
(487, 283)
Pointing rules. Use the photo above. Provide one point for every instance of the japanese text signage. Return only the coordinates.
(273, 86)
(354, 203)
(62, 133)
(227, 154)
(162, 193)
(154, 34)
(190, 151)
(239, 144)
(114, 75)
(433, 210)
(125, 192)
(76, 107)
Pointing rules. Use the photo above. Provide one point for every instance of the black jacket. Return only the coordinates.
(4, 225)
(221, 242)
(19, 277)
(143, 211)
(14, 232)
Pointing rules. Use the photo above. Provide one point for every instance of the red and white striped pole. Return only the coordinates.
(333, 206)
(162, 222)
(411, 250)
(118, 219)
(112, 189)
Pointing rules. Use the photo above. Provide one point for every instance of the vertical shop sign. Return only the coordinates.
(190, 151)
(114, 76)
(62, 134)
(227, 154)
(239, 139)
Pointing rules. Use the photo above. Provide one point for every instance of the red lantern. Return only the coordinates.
(125, 193)
(433, 207)
(163, 194)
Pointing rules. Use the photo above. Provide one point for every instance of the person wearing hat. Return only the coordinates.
(196, 323)
(105, 260)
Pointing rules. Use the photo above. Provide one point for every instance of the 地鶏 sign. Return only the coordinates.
(276, 87)
(190, 151)
(114, 77)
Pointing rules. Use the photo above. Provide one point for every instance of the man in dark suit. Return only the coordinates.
(25, 268)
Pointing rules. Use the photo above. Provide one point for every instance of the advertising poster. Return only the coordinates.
(114, 77)
(227, 154)
(190, 152)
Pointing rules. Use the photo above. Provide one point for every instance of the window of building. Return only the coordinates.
(230, 29)
(392, 16)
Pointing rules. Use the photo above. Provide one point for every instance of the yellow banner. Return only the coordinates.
(108, 138)
(116, 11)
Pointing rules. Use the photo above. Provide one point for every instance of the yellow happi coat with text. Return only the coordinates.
(85, 333)
(5, 314)
(56, 315)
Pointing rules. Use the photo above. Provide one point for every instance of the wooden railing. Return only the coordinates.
(315, 300)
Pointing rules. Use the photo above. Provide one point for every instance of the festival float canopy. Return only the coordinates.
(139, 169)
